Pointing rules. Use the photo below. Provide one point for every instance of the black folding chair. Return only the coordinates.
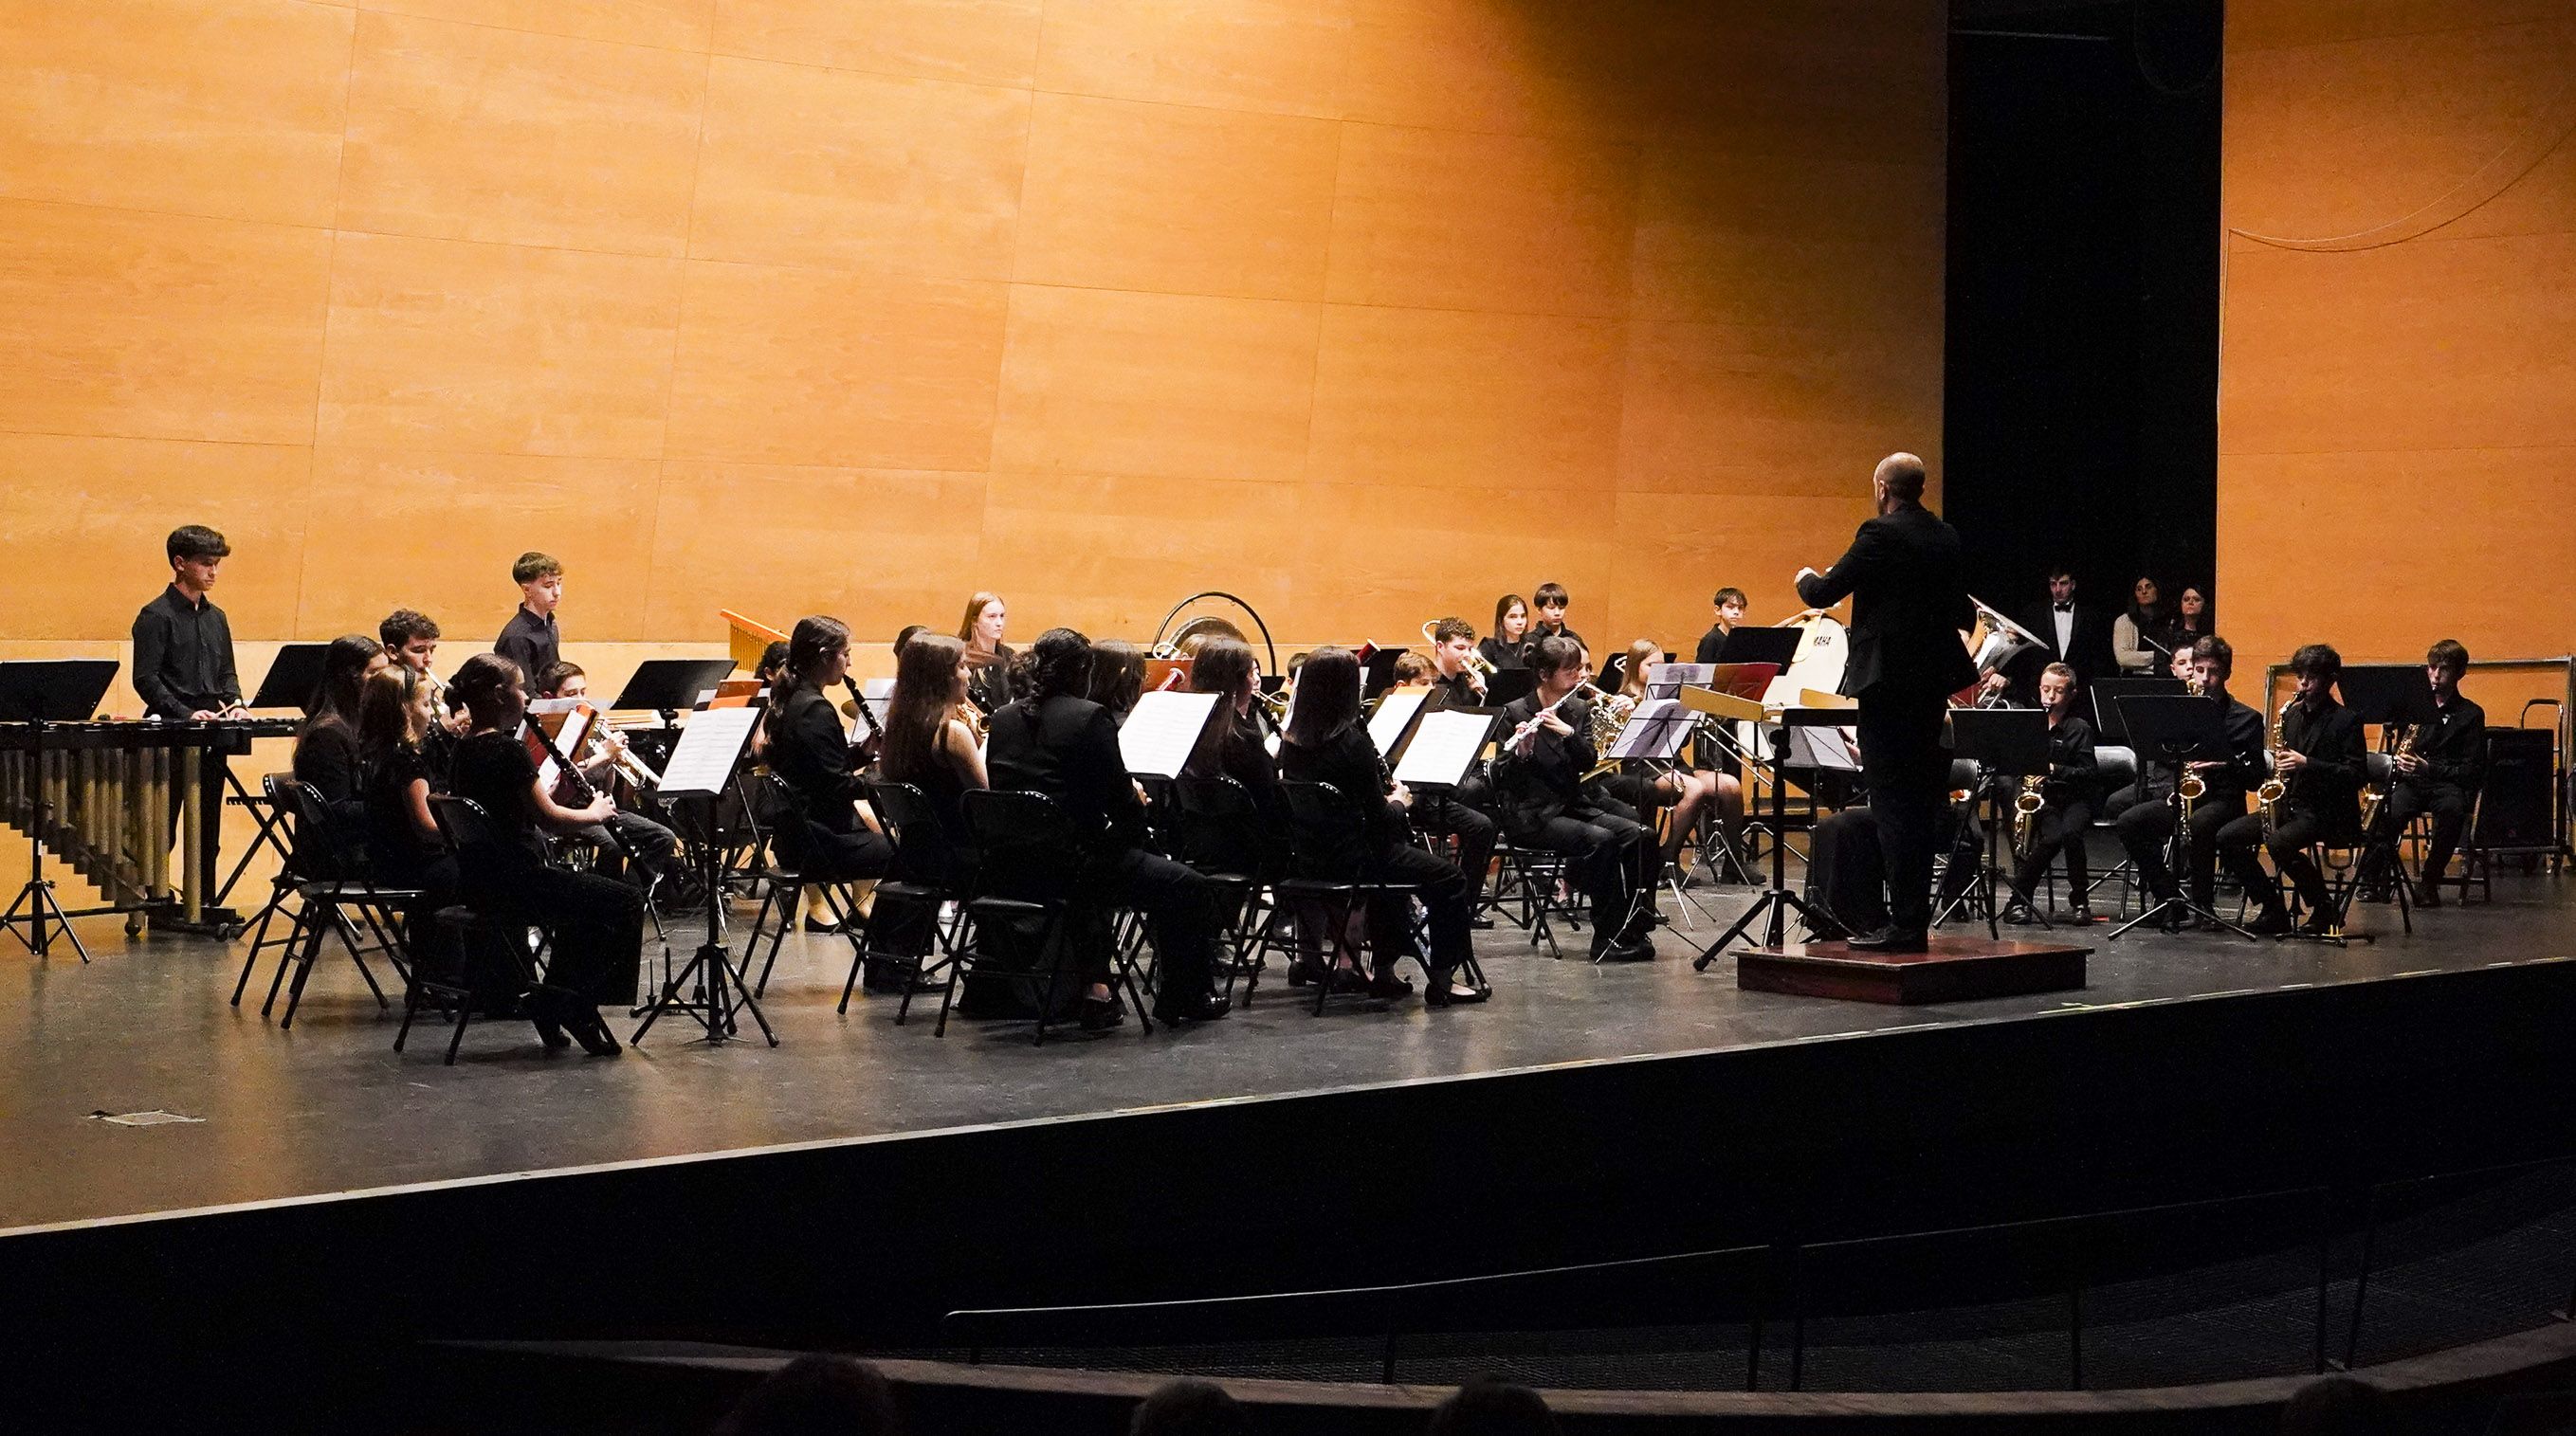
(329, 886)
(1220, 833)
(1028, 880)
(450, 972)
(784, 881)
(1327, 868)
(906, 930)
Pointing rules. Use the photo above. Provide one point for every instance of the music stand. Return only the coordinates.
(701, 768)
(2384, 695)
(1775, 646)
(1378, 674)
(2004, 743)
(670, 686)
(37, 692)
(2107, 693)
(1509, 686)
(2182, 729)
(294, 678)
(1777, 901)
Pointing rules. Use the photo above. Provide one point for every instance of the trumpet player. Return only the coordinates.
(2067, 796)
(410, 638)
(2317, 755)
(650, 846)
(1458, 670)
(2149, 811)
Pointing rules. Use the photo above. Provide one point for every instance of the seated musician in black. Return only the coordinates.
(1232, 746)
(630, 831)
(395, 714)
(326, 759)
(1327, 742)
(2320, 760)
(1465, 814)
(1729, 603)
(930, 737)
(1538, 780)
(1050, 740)
(596, 924)
(2068, 795)
(2147, 808)
(2438, 764)
(830, 837)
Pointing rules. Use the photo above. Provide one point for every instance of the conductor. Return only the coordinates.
(1909, 605)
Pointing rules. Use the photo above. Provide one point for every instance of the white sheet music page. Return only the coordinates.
(1646, 733)
(1158, 735)
(1394, 710)
(1444, 743)
(710, 744)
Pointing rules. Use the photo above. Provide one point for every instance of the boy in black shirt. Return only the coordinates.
(183, 664)
(530, 639)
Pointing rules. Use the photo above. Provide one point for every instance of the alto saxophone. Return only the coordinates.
(2267, 798)
(2374, 799)
(2026, 806)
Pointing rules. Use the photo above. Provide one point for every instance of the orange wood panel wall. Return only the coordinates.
(2397, 379)
(1365, 309)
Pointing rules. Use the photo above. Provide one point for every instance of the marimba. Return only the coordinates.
(99, 795)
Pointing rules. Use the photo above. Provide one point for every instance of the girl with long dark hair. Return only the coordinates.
(831, 837)
(930, 741)
(326, 745)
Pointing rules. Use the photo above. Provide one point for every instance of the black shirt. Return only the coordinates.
(2072, 770)
(400, 850)
(1547, 780)
(183, 657)
(1504, 655)
(1458, 690)
(1709, 644)
(988, 682)
(326, 760)
(2329, 737)
(531, 642)
(1067, 748)
(809, 750)
(1540, 631)
(494, 770)
(2452, 743)
(1349, 761)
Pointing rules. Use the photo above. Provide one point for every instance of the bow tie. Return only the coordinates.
(2066, 608)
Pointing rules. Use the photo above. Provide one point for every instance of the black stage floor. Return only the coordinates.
(329, 1108)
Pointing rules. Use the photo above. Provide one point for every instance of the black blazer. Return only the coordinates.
(1909, 604)
(1067, 748)
(2089, 654)
(2073, 772)
(1349, 761)
(809, 750)
(1547, 782)
(2330, 785)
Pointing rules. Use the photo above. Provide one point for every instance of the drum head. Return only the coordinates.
(1821, 656)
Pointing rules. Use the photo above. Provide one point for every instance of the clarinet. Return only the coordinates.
(571, 774)
(874, 742)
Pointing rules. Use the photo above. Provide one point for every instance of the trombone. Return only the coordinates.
(1477, 663)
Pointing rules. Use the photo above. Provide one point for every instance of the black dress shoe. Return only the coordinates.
(2321, 924)
(1198, 1009)
(1637, 950)
(1443, 991)
(1391, 987)
(1481, 923)
(1099, 1014)
(811, 925)
(2081, 916)
(2271, 922)
(1892, 940)
(2428, 895)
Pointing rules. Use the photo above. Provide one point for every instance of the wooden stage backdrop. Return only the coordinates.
(2397, 423)
(1365, 309)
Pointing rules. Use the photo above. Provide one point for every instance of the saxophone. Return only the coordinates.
(2374, 799)
(2267, 798)
(2026, 806)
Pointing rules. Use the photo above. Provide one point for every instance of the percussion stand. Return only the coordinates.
(1777, 902)
(44, 911)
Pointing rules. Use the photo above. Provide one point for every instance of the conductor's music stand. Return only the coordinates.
(2180, 728)
(701, 768)
(37, 692)
(1776, 902)
(2007, 745)
(670, 686)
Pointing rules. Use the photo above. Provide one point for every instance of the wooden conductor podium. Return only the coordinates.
(1957, 968)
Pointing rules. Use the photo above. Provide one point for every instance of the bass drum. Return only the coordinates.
(1821, 656)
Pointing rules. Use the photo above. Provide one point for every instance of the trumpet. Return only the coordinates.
(1477, 663)
(623, 758)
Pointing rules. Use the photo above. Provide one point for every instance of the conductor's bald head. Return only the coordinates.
(1899, 477)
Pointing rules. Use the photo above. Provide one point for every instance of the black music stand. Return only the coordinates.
(1509, 686)
(670, 686)
(2107, 693)
(1777, 901)
(1378, 674)
(2007, 745)
(2181, 728)
(2383, 695)
(701, 768)
(37, 692)
(1775, 646)
(294, 678)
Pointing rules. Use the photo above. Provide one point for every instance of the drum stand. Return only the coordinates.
(44, 912)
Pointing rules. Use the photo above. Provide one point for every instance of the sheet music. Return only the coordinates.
(1443, 746)
(877, 709)
(1653, 731)
(711, 743)
(876, 690)
(1827, 748)
(570, 731)
(1394, 710)
(1665, 680)
(1161, 730)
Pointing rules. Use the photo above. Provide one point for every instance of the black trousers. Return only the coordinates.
(823, 856)
(2145, 825)
(594, 925)
(1847, 869)
(1603, 846)
(1444, 893)
(2449, 804)
(2058, 829)
(1180, 915)
(2288, 844)
(1460, 815)
(1907, 770)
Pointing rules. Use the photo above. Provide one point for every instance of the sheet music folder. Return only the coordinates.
(53, 690)
(294, 678)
